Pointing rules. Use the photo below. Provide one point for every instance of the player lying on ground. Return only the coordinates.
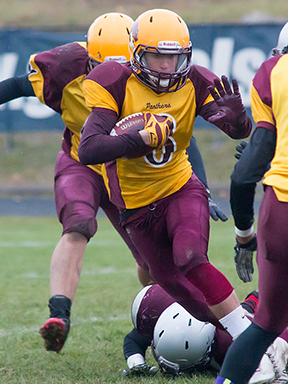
(181, 343)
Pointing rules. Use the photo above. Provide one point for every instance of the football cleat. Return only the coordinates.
(264, 373)
(278, 354)
(251, 302)
(54, 333)
(282, 379)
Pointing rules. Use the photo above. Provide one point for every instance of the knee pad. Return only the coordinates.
(80, 218)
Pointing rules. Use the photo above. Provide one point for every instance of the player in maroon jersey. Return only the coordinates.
(179, 342)
(268, 146)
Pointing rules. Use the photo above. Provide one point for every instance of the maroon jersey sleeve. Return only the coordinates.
(97, 146)
(201, 78)
(59, 67)
(113, 77)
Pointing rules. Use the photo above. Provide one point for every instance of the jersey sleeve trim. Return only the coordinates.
(36, 78)
(266, 125)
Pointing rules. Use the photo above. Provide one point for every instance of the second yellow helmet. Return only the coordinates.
(108, 38)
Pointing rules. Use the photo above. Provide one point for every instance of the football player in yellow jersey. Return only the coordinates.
(56, 77)
(163, 206)
(268, 145)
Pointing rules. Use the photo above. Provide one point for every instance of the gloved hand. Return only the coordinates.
(244, 259)
(231, 109)
(240, 149)
(141, 370)
(215, 211)
(159, 128)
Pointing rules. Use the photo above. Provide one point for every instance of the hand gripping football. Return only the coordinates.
(133, 122)
(159, 127)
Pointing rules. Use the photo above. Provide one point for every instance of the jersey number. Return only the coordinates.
(158, 159)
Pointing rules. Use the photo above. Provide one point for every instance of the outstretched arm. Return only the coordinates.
(15, 87)
(247, 172)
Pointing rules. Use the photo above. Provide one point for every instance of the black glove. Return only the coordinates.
(141, 370)
(240, 149)
(244, 259)
(215, 211)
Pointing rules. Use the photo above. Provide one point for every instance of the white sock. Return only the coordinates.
(235, 322)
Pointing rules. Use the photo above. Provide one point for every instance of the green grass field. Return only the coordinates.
(100, 312)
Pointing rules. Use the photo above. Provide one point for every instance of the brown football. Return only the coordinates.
(132, 122)
(129, 123)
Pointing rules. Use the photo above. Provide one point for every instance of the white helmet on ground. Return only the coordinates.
(282, 46)
(180, 341)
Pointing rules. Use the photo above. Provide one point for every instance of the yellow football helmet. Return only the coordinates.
(108, 38)
(161, 32)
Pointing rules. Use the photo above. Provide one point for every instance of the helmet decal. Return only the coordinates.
(169, 44)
